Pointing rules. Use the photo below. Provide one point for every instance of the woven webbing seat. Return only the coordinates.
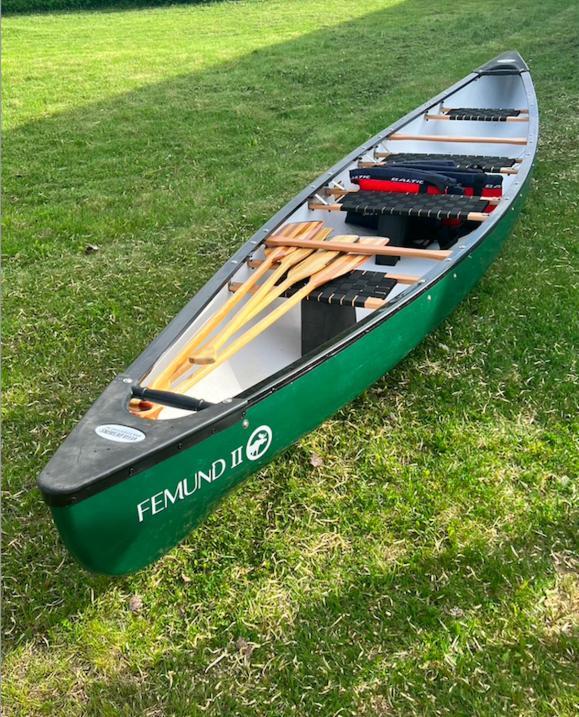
(423, 206)
(462, 161)
(353, 289)
(481, 115)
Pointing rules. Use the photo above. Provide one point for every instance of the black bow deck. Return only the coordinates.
(354, 289)
(462, 161)
(424, 206)
(481, 115)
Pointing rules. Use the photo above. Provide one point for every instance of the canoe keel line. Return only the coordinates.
(323, 300)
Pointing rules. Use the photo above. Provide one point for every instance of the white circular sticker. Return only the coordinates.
(119, 434)
(258, 443)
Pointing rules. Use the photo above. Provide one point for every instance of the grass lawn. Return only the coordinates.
(427, 564)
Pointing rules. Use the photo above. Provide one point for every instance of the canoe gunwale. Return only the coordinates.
(173, 435)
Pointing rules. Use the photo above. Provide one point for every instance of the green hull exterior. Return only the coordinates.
(104, 531)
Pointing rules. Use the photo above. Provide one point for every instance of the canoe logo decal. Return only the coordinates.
(255, 448)
(119, 434)
(258, 443)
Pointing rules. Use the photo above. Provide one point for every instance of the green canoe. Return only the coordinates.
(154, 455)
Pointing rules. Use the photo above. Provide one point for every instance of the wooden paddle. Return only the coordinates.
(338, 267)
(246, 313)
(257, 302)
(268, 293)
(300, 229)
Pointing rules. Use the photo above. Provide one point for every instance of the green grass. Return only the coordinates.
(428, 566)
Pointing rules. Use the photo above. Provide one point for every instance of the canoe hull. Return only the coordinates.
(140, 518)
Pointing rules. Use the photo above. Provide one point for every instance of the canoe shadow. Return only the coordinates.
(421, 604)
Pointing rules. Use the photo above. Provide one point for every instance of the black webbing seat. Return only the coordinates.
(331, 309)
(462, 161)
(350, 290)
(422, 206)
(481, 115)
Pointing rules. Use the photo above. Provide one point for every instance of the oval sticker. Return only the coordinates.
(119, 434)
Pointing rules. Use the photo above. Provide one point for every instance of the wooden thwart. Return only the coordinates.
(450, 138)
(362, 248)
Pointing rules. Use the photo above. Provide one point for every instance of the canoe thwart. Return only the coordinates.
(449, 138)
(364, 249)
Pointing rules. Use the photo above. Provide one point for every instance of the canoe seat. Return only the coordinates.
(328, 311)
(461, 161)
(481, 115)
(360, 289)
(423, 206)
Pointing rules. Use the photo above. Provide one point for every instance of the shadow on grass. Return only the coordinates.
(30, 7)
(167, 180)
(437, 623)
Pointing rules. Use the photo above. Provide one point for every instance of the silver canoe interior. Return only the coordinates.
(280, 345)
